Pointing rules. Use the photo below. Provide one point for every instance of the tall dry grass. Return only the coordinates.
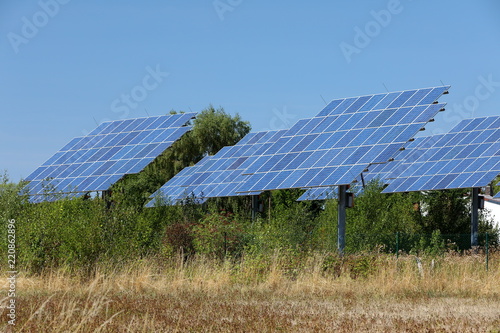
(279, 292)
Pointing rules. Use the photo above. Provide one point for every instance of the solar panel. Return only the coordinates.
(218, 175)
(379, 172)
(384, 172)
(172, 192)
(98, 160)
(319, 193)
(347, 136)
(468, 156)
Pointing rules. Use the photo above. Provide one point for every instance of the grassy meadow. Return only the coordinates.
(316, 292)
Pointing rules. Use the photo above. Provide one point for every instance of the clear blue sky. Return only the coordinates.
(65, 63)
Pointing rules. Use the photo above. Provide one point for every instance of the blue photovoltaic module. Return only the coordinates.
(466, 157)
(319, 193)
(218, 175)
(174, 190)
(347, 136)
(379, 172)
(98, 160)
(417, 164)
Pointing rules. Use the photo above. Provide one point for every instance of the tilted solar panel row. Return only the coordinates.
(98, 160)
(347, 136)
(468, 156)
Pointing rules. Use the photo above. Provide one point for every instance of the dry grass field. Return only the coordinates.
(373, 293)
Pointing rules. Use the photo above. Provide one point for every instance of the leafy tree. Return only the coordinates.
(214, 129)
(376, 217)
(447, 211)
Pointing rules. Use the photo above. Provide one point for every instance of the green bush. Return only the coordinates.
(64, 232)
(218, 234)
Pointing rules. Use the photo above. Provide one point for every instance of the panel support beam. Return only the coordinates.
(341, 219)
(255, 206)
(474, 218)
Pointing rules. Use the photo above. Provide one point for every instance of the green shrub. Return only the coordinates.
(218, 234)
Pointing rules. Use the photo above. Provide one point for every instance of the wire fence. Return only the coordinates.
(424, 244)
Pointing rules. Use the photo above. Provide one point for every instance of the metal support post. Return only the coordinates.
(341, 218)
(255, 206)
(474, 217)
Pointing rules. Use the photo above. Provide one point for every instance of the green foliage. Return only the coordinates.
(433, 245)
(81, 233)
(240, 206)
(62, 232)
(486, 225)
(495, 187)
(324, 235)
(376, 217)
(214, 129)
(371, 223)
(218, 234)
(290, 223)
(361, 265)
(447, 211)
(179, 239)
(10, 202)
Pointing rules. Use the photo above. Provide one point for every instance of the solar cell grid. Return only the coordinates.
(96, 161)
(319, 193)
(465, 157)
(353, 131)
(220, 174)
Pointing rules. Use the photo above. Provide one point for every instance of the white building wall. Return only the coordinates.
(495, 211)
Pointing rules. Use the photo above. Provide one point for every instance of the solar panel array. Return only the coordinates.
(417, 153)
(96, 161)
(468, 156)
(334, 147)
(218, 175)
